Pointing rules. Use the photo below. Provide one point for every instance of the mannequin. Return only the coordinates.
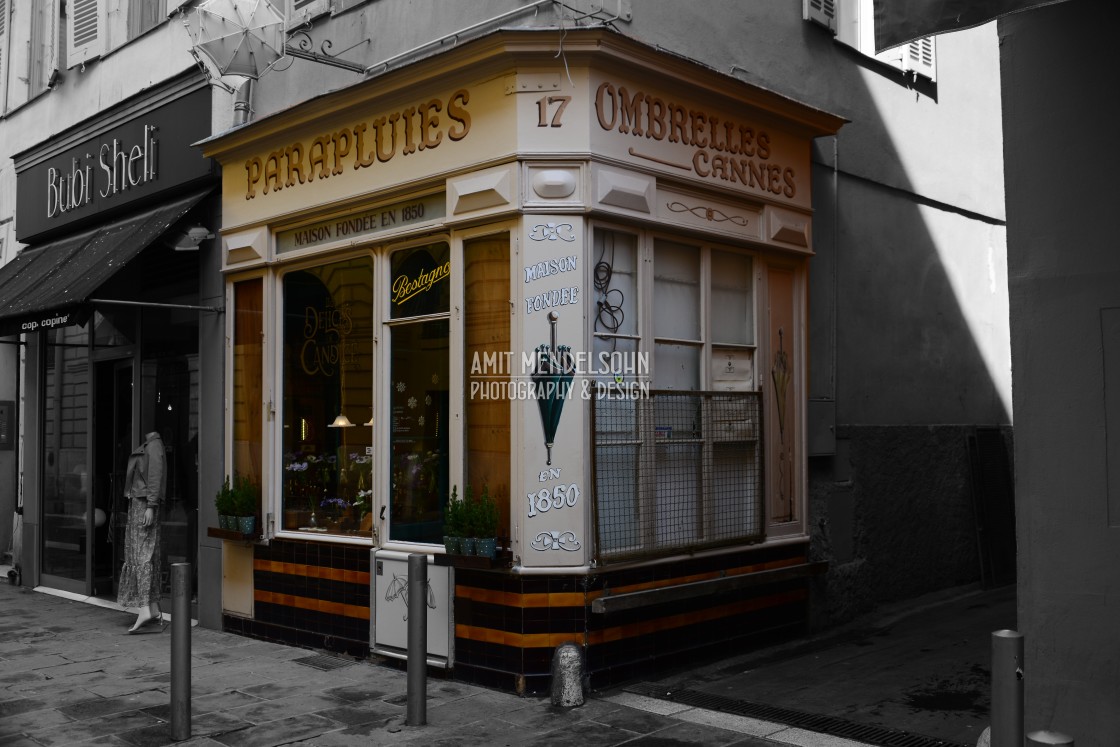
(145, 484)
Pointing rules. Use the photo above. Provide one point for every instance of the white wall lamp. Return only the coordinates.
(188, 240)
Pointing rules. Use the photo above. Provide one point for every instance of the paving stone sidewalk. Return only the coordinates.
(69, 675)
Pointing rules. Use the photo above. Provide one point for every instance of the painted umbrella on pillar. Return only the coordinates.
(241, 38)
(553, 370)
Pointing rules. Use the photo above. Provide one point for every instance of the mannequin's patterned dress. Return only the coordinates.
(145, 484)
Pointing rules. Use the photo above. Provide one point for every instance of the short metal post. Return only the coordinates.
(1007, 689)
(417, 708)
(180, 651)
(1048, 739)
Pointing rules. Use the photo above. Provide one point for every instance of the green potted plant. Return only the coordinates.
(486, 527)
(453, 523)
(469, 519)
(224, 502)
(245, 500)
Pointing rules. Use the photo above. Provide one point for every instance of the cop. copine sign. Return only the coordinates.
(115, 166)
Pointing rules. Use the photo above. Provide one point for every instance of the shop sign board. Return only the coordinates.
(368, 149)
(551, 504)
(722, 147)
(132, 161)
(363, 225)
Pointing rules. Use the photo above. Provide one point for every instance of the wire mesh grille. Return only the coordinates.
(676, 471)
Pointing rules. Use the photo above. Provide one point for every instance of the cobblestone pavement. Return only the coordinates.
(69, 675)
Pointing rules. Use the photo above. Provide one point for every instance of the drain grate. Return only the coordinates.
(323, 662)
(837, 727)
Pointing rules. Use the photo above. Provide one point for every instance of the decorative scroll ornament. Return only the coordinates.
(707, 213)
(556, 540)
(552, 232)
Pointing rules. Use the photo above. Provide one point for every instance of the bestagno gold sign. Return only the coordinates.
(415, 128)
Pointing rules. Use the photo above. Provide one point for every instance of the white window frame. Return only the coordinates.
(646, 340)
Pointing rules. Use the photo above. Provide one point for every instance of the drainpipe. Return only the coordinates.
(242, 109)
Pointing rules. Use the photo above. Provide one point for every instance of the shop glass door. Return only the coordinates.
(66, 523)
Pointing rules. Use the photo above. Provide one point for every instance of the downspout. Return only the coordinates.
(242, 107)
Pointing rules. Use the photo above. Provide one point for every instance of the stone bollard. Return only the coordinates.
(1048, 739)
(567, 676)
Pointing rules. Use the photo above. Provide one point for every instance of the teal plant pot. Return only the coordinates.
(468, 545)
(246, 524)
(452, 545)
(486, 547)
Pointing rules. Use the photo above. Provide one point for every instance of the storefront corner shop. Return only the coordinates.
(579, 285)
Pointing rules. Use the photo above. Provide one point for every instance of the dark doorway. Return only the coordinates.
(112, 442)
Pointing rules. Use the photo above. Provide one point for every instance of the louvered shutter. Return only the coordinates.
(85, 31)
(920, 58)
(822, 12)
(4, 7)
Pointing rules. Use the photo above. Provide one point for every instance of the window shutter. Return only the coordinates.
(822, 12)
(85, 32)
(4, 7)
(920, 58)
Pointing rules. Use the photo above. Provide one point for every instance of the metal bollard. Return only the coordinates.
(1048, 739)
(417, 707)
(1007, 689)
(180, 651)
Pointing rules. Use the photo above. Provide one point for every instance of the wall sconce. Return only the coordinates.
(341, 422)
(188, 240)
(369, 422)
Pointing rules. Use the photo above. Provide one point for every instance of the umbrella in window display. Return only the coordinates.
(553, 369)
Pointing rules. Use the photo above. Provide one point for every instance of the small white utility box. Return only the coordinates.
(389, 605)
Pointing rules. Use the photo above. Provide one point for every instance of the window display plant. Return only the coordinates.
(453, 523)
(224, 503)
(486, 525)
(246, 498)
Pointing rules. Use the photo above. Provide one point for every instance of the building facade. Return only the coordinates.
(710, 301)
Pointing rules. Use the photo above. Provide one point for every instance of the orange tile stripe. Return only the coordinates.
(312, 571)
(355, 611)
(579, 599)
(710, 575)
(631, 630)
(645, 627)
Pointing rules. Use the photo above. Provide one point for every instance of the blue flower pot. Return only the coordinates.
(468, 545)
(246, 524)
(486, 547)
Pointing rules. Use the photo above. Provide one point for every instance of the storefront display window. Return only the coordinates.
(419, 330)
(486, 277)
(248, 378)
(328, 385)
(680, 469)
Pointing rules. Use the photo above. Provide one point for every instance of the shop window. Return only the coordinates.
(680, 468)
(419, 334)
(487, 340)
(248, 378)
(327, 396)
(852, 22)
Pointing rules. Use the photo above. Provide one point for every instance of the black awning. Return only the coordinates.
(50, 285)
